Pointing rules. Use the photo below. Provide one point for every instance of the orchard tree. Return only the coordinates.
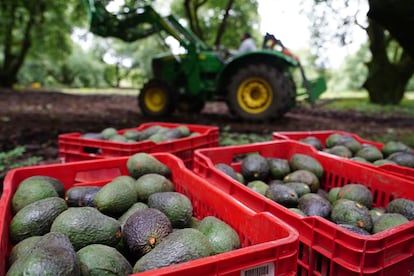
(390, 67)
(28, 28)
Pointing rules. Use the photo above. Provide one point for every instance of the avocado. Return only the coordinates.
(346, 211)
(405, 159)
(22, 248)
(142, 163)
(333, 139)
(194, 222)
(99, 259)
(282, 194)
(240, 178)
(138, 206)
(146, 133)
(258, 186)
(350, 143)
(299, 187)
(81, 196)
(226, 169)
(380, 162)
(388, 220)
(118, 138)
(108, 133)
(177, 207)
(299, 161)
(158, 137)
(114, 198)
(303, 176)
(144, 230)
(92, 135)
(180, 246)
(254, 167)
(339, 150)
(360, 159)
(132, 134)
(222, 237)
(313, 141)
(30, 191)
(59, 186)
(394, 146)
(402, 206)
(369, 153)
(176, 133)
(36, 218)
(376, 213)
(355, 229)
(53, 254)
(356, 192)
(297, 211)
(86, 225)
(151, 183)
(333, 194)
(314, 205)
(278, 168)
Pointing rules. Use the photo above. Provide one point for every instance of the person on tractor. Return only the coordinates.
(247, 43)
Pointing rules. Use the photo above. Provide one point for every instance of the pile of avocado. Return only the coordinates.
(392, 152)
(155, 133)
(295, 184)
(134, 223)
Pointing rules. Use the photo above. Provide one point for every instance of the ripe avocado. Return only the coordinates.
(356, 192)
(176, 206)
(81, 196)
(221, 236)
(36, 218)
(333, 194)
(299, 187)
(376, 213)
(359, 159)
(132, 134)
(297, 211)
(60, 188)
(53, 254)
(278, 168)
(86, 225)
(226, 169)
(144, 230)
(350, 143)
(380, 162)
(22, 248)
(333, 139)
(304, 176)
(151, 183)
(405, 159)
(313, 141)
(108, 133)
(394, 146)
(369, 153)
(254, 167)
(142, 163)
(99, 259)
(114, 198)
(388, 220)
(258, 186)
(300, 161)
(346, 211)
(314, 205)
(282, 194)
(180, 246)
(339, 150)
(402, 206)
(146, 133)
(138, 206)
(30, 191)
(118, 138)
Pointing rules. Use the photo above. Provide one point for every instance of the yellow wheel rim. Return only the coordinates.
(155, 99)
(254, 95)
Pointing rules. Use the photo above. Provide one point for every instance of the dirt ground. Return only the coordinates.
(35, 119)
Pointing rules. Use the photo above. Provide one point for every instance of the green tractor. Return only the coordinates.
(256, 85)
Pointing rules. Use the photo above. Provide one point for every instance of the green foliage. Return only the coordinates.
(15, 159)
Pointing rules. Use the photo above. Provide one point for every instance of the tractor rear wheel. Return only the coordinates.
(157, 98)
(259, 92)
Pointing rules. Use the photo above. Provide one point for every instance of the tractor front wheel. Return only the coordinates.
(259, 92)
(157, 98)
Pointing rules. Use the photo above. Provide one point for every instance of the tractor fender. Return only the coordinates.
(269, 57)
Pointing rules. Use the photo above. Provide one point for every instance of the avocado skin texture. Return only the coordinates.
(36, 218)
(299, 161)
(103, 260)
(222, 237)
(314, 205)
(347, 211)
(388, 220)
(282, 194)
(405, 159)
(81, 196)
(151, 183)
(138, 206)
(21, 248)
(144, 230)
(356, 192)
(52, 255)
(254, 167)
(59, 187)
(304, 176)
(226, 169)
(402, 206)
(313, 141)
(141, 163)
(86, 225)
(278, 168)
(176, 206)
(355, 229)
(180, 246)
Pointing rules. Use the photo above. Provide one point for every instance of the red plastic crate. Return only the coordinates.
(323, 134)
(325, 248)
(73, 147)
(267, 242)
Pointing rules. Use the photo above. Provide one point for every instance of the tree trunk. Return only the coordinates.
(386, 81)
(223, 24)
